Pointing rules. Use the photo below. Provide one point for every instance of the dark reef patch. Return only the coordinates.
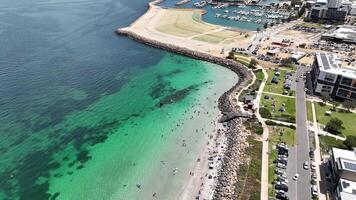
(177, 96)
(54, 196)
(83, 156)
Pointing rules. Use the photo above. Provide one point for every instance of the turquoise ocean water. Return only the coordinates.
(86, 114)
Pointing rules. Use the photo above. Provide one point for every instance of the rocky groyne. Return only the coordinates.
(237, 135)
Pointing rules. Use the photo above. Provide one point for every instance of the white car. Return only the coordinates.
(313, 166)
(314, 191)
(295, 177)
(305, 165)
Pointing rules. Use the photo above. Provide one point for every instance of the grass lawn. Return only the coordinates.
(259, 74)
(288, 115)
(288, 137)
(309, 111)
(348, 119)
(327, 142)
(273, 87)
(252, 90)
(250, 180)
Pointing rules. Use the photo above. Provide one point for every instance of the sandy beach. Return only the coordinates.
(184, 28)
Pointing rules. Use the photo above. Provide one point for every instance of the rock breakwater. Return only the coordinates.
(237, 136)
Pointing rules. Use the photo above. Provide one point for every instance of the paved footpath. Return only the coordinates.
(317, 154)
(264, 166)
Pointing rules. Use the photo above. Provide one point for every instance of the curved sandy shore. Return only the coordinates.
(236, 135)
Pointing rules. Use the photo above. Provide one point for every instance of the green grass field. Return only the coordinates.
(276, 114)
(347, 118)
(273, 87)
(250, 187)
(327, 142)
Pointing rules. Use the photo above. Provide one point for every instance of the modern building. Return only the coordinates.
(344, 33)
(343, 164)
(328, 10)
(328, 77)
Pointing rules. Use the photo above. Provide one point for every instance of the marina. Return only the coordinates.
(244, 15)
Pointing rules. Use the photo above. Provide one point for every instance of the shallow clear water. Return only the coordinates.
(87, 114)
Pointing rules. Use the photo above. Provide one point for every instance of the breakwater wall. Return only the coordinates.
(237, 134)
(227, 102)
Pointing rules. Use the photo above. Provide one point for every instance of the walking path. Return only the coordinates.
(264, 167)
(282, 95)
(317, 154)
(316, 99)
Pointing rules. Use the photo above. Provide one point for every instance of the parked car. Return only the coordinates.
(282, 166)
(280, 192)
(312, 164)
(314, 191)
(281, 187)
(282, 197)
(285, 162)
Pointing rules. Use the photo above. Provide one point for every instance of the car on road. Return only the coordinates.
(295, 177)
(305, 165)
(314, 191)
(281, 187)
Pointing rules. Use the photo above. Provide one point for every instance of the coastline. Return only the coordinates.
(235, 136)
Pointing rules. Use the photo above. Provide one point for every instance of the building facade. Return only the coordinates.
(328, 77)
(343, 165)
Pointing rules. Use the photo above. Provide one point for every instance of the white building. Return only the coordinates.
(343, 163)
(328, 77)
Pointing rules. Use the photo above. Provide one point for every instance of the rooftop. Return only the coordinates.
(330, 63)
(344, 32)
(342, 153)
(347, 189)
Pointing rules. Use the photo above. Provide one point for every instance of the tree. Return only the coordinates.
(350, 141)
(334, 126)
(253, 63)
(325, 97)
(258, 29)
(348, 105)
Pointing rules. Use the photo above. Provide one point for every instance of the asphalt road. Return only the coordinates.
(302, 187)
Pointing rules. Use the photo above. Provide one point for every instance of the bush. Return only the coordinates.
(334, 126)
(350, 142)
(265, 113)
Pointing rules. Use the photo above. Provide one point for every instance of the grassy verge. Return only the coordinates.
(277, 134)
(252, 90)
(250, 187)
(327, 142)
(348, 119)
(309, 111)
(270, 108)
